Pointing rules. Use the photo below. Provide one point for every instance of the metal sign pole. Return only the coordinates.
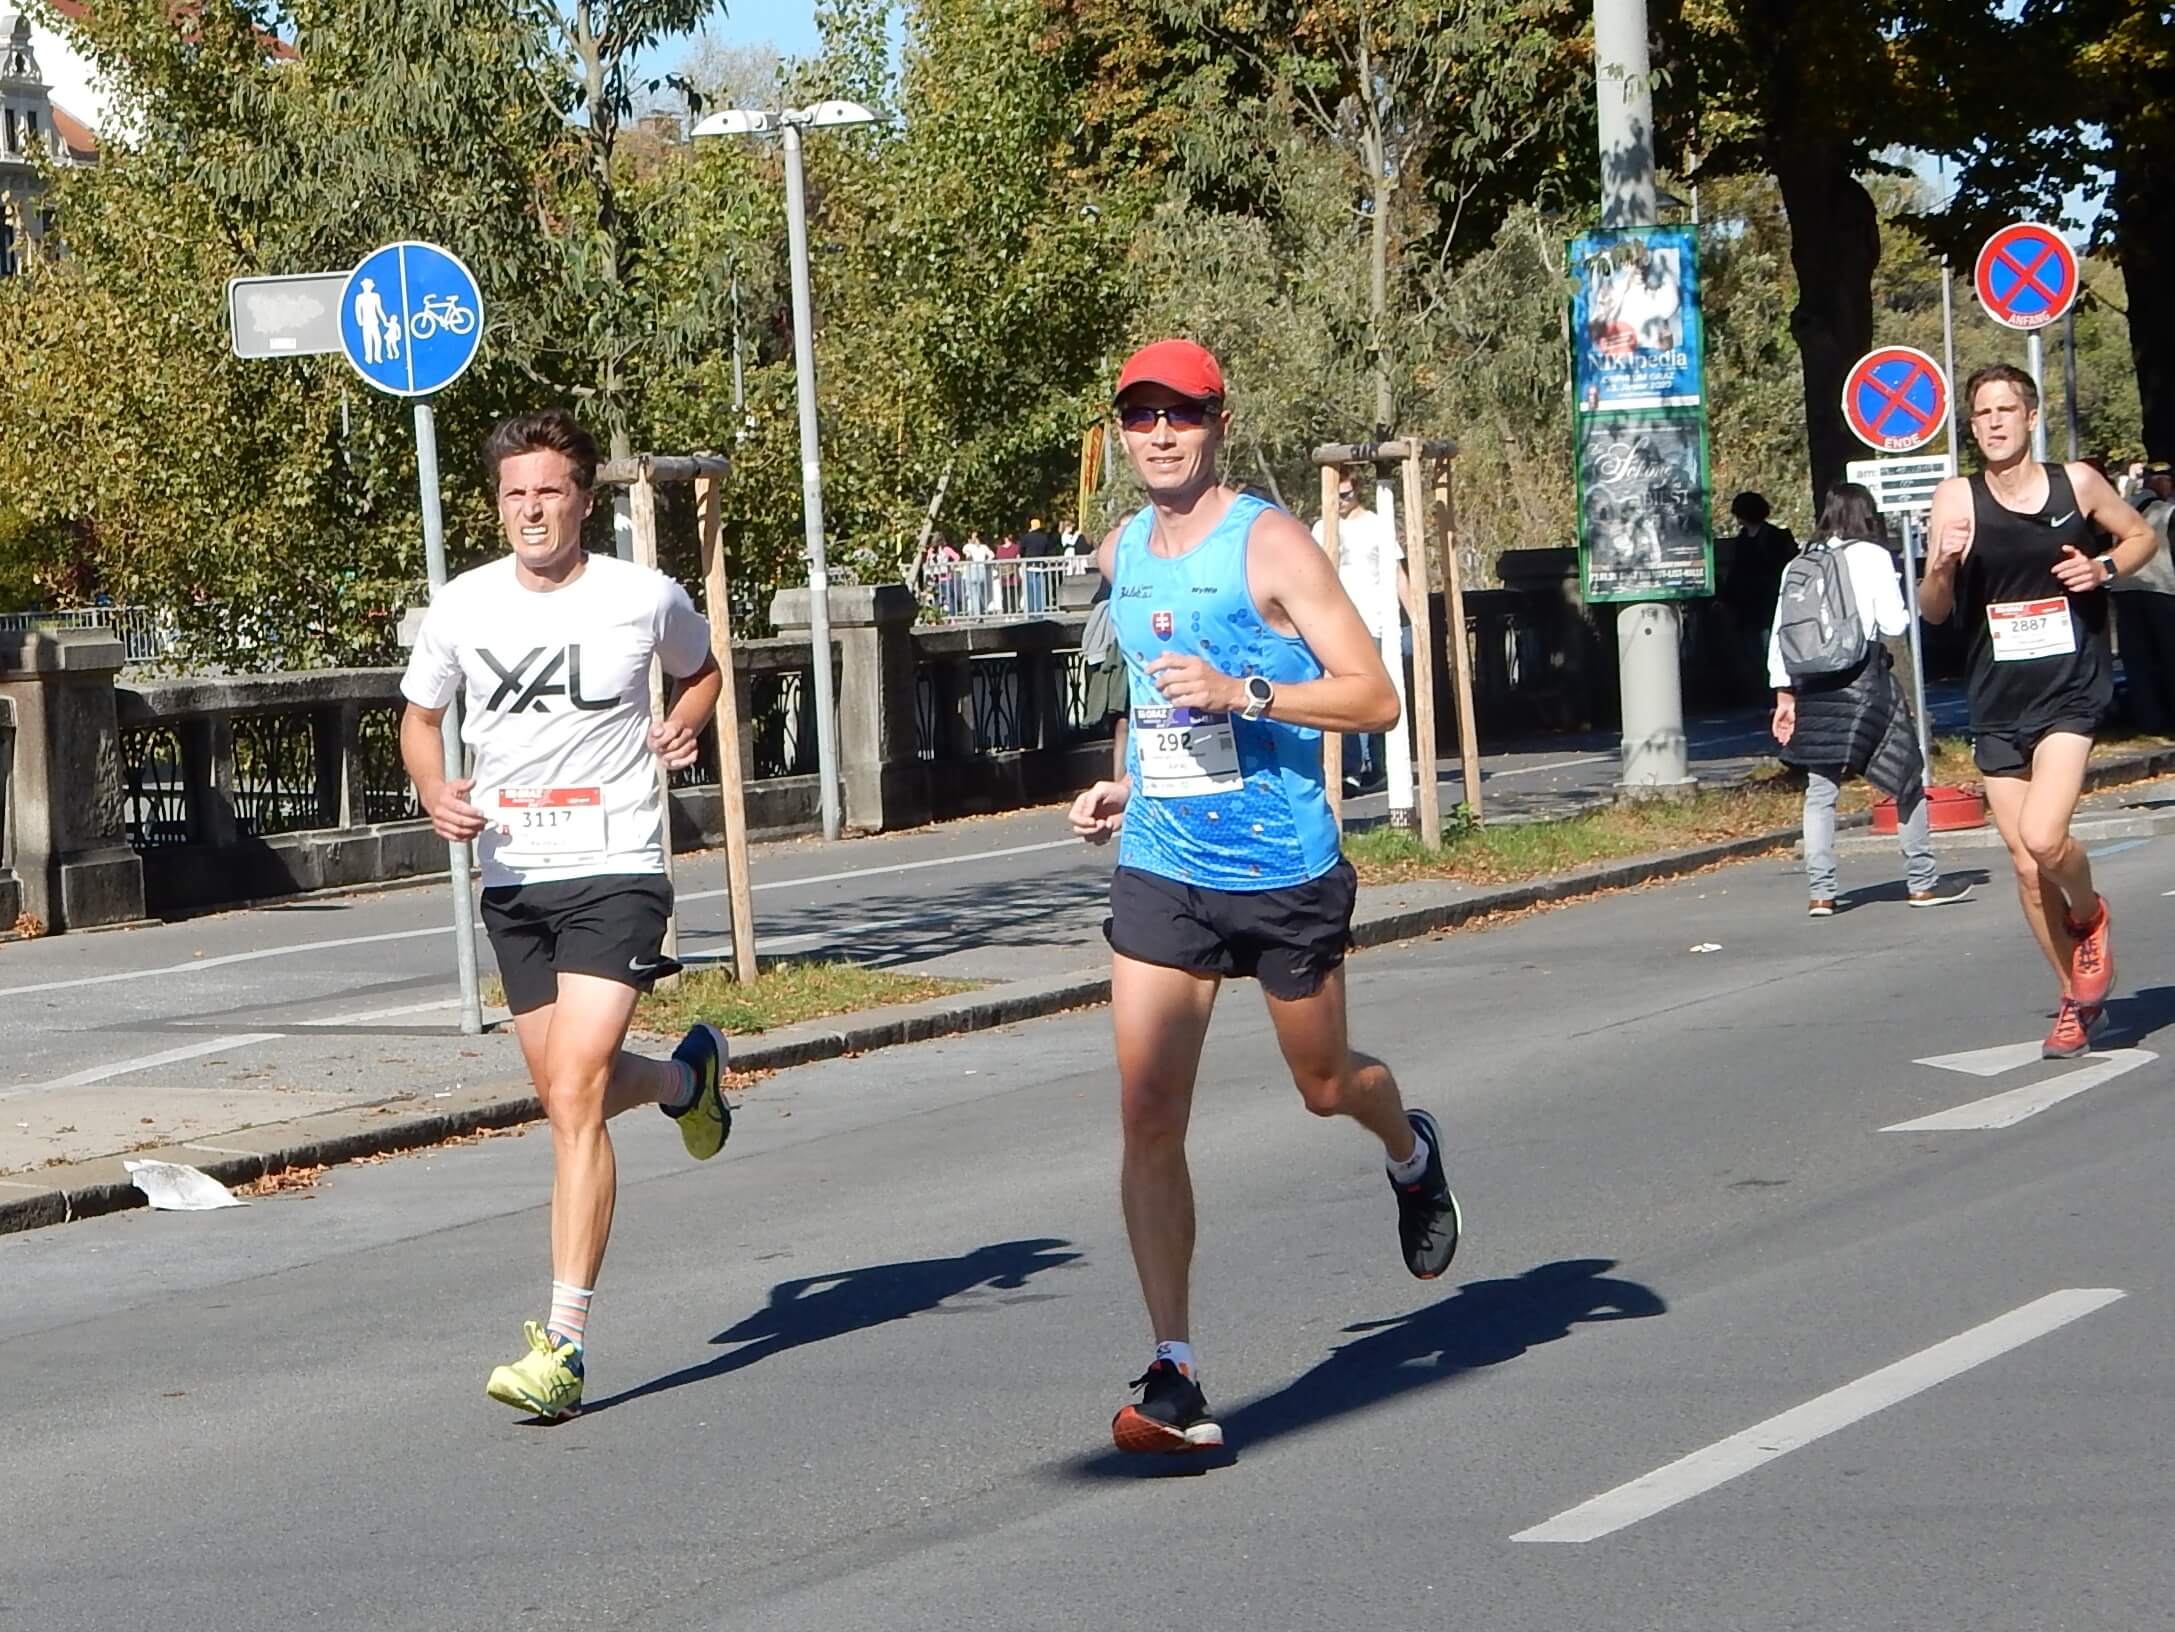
(1918, 645)
(1948, 355)
(434, 561)
(2036, 359)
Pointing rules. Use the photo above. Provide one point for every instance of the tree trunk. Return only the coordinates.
(2144, 206)
(1834, 249)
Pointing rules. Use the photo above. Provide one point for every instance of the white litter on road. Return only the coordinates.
(1708, 946)
(176, 1188)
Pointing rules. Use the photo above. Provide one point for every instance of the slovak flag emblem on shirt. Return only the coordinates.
(1162, 623)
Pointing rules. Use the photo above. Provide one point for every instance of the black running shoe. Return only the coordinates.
(1172, 1414)
(1428, 1221)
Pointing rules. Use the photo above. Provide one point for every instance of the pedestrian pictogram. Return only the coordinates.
(2026, 275)
(411, 319)
(1895, 398)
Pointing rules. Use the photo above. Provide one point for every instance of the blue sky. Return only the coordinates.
(790, 25)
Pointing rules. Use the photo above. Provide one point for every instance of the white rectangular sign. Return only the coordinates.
(1902, 485)
(285, 317)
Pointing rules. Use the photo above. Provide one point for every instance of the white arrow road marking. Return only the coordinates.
(2005, 1110)
(1986, 1062)
(1700, 1472)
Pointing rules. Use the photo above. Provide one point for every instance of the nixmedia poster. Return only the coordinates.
(1635, 332)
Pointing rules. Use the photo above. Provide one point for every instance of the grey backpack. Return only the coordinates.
(1816, 617)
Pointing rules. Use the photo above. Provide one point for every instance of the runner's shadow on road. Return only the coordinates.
(821, 1307)
(1482, 1324)
(2136, 1016)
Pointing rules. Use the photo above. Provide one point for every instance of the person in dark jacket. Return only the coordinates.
(1750, 582)
(1857, 723)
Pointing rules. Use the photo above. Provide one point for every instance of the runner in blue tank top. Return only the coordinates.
(1241, 649)
(2016, 556)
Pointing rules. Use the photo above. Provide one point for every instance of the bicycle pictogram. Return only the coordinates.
(441, 312)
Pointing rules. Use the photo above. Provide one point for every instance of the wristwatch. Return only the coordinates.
(1259, 695)
(2107, 564)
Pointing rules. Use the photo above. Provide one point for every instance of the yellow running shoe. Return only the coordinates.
(708, 1121)
(546, 1381)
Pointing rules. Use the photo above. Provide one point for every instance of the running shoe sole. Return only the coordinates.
(699, 1120)
(1139, 1435)
(522, 1400)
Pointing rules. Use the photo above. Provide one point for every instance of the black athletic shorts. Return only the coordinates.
(1289, 939)
(612, 926)
(2009, 753)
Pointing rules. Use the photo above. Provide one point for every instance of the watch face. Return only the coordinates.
(1258, 689)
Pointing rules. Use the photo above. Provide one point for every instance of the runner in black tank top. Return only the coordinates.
(2015, 556)
(2017, 700)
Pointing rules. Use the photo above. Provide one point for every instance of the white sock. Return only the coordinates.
(1410, 1170)
(1179, 1355)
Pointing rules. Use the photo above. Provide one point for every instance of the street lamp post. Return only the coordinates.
(789, 123)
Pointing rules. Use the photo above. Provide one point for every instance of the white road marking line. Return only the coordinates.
(143, 1062)
(2116, 849)
(214, 963)
(1986, 1062)
(1703, 1470)
(360, 1016)
(2008, 1109)
(890, 867)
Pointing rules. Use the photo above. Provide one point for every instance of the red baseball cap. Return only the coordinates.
(1183, 365)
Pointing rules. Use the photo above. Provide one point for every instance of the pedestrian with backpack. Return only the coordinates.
(1839, 709)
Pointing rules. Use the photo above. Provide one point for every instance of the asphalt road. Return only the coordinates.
(857, 1372)
(177, 1032)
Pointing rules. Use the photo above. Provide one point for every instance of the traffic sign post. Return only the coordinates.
(2026, 278)
(411, 321)
(1895, 398)
(1903, 488)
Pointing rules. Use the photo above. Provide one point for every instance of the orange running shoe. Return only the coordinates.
(2072, 1033)
(2092, 960)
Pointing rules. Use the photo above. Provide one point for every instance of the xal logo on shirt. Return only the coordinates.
(534, 690)
(1162, 623)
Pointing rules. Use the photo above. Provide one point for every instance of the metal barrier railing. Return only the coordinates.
(146, 633)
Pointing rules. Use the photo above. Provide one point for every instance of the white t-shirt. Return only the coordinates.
(557, 711)
(1363, 538)
(1877, 591)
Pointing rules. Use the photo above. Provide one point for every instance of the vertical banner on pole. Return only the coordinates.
(1332, 742)
(732, 794)
(1426, 749)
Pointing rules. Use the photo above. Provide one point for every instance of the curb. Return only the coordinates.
(62, 1193)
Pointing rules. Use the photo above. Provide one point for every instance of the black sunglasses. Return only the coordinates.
(1183, 416)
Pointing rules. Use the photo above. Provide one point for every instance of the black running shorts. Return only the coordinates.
(1290, 939)
(612, 927)
(2009, 753)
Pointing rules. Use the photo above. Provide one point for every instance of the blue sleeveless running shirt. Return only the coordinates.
(1256, 819)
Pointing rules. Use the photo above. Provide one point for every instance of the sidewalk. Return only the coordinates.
(250, 1095)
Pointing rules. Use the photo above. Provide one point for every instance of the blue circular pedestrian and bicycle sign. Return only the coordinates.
(1895, 398)
(2026, 275)
(411, 319)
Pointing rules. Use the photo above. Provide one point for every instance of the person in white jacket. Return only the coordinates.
(1857, 722)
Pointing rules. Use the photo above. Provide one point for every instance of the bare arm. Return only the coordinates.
(1291, 575)
(2135, 541)
(422, 753)
(676, 738)
(1948, 530)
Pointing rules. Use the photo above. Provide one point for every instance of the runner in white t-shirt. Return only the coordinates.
(550, 651)
(1364, 537)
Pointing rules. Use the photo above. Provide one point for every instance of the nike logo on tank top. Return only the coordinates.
(1218, 801)
(2037, 655)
